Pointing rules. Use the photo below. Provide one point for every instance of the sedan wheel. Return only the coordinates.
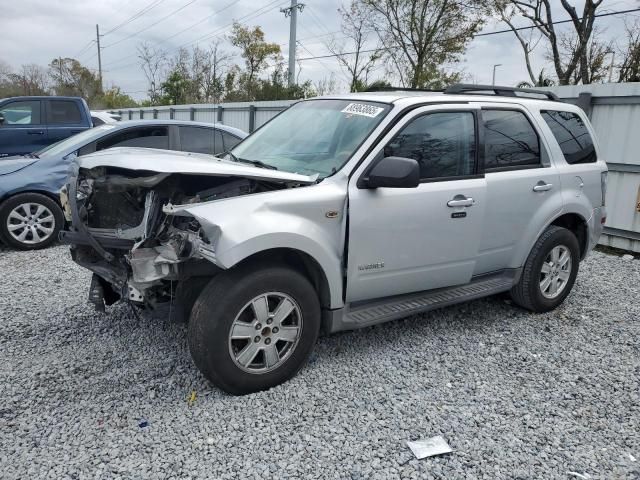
(31, 223)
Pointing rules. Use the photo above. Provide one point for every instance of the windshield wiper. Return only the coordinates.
(255, 163)
(31, 155)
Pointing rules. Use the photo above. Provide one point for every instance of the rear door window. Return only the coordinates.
(146, 137)
(201, 140)
(511, 143)
(572, 136)
(21, 113)
(63, 112)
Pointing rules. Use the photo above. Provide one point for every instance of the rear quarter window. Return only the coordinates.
(572, 135)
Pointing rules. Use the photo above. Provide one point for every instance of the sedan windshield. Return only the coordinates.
(312, 137)
(75, 142)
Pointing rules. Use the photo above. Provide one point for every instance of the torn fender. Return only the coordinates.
(310, 220)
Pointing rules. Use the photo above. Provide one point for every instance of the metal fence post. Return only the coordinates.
(172, 112)
(252, 118)
(192, 114)
(220, 110)
(155, 113)
(130, 114)
(585, 102)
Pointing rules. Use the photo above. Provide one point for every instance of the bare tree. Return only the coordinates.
(570, 53)
(154, 65)
(629, 66)
(354, 61)
(326, 86)
(215, 65)
(34, 79)
(422, 37)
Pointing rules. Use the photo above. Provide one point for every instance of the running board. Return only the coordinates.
(365, 314)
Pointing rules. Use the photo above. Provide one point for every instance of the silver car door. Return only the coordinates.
(405, 240)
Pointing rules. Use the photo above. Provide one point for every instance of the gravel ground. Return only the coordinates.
(516, 395)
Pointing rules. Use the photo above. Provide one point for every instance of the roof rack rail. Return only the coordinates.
(400, 89)
(461, 88)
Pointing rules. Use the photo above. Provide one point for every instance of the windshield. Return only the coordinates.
(75, 142)
(312, 137)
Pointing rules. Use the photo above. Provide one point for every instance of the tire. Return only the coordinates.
(248, 364)
(187, 293)
(542, 291)
(33, 216)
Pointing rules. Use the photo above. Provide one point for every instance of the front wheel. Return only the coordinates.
(29, 221)
(549, 272)
(252, 329)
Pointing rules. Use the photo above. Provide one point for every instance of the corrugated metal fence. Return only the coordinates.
(614, 110)
(246, 116)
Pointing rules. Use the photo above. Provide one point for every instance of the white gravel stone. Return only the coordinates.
(516, 395)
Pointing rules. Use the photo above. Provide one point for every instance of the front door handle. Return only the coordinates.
(460, 201)
(37, 132)
(541, 186)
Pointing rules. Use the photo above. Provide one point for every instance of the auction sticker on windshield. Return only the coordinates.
(362, 109)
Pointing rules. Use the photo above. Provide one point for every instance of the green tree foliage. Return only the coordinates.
(70, 77)
(114, 98)
(176, 88)
(252, 82)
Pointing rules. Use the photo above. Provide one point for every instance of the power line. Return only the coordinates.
(621, 12)
(152, 25)
(213, 34)
(135, 16)
(477, 35)
(217, 32)
(201, 21)
(84, 49)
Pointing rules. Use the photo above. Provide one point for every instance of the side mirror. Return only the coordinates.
(1, 119)
(394, 172)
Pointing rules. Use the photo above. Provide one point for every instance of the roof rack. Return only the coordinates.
(400, 89)
(462, 88)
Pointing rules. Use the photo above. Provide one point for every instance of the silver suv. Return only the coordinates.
(340, 213)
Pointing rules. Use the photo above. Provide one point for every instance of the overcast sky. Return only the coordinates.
(36, 31)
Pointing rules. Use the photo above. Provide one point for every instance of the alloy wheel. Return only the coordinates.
(555, 272)
(265, 332)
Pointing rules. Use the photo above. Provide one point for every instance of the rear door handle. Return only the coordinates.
(38, 132)
(461, 201)
(542, 186)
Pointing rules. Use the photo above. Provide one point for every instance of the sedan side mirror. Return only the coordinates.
(1, 119)
(394, 172)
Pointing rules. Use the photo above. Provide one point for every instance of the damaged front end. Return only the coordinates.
(125, 230)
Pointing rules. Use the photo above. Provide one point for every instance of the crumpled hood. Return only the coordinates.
(167, 161)
(13, 164)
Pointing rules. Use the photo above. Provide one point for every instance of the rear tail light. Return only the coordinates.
(603, 186)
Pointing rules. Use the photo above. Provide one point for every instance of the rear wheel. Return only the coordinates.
(549, 272)
(252, 329)
(29, 221)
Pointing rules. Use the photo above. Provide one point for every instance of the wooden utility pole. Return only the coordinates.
(99, 56)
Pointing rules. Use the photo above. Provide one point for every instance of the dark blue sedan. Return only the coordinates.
(30, 212)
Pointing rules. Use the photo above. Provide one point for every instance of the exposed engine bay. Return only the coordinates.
(126, 231)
